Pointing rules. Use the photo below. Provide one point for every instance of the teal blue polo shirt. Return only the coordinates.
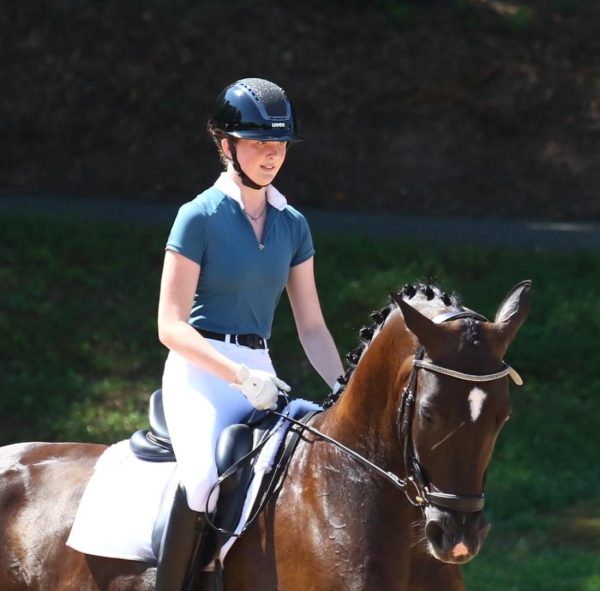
(241, 280)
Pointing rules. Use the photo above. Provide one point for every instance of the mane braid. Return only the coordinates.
(366, 333)
(353, 357)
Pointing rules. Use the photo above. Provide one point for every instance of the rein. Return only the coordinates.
(390, 476)
(423, 494)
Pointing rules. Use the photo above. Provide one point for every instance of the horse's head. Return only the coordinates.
(454, 404)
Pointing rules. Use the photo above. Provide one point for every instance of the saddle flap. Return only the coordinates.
(234, 443)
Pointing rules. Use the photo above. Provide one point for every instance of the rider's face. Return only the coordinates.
(260, 160)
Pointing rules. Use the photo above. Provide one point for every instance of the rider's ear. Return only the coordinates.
(226, 147)
(512, 312)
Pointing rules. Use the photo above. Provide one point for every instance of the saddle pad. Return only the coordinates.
(119, 506)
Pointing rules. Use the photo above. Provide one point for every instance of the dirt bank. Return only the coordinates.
(470, 107)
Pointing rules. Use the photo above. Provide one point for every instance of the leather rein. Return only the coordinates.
(422, 495)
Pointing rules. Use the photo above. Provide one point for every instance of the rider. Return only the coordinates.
(230, 253)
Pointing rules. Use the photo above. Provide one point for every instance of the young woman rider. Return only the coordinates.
(231, 252)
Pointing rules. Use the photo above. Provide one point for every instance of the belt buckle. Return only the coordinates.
(255, 341)
(251, 341)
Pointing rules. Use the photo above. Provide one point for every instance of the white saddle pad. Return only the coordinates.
(121, 502)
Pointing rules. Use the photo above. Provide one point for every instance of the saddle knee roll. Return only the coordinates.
(234, 443)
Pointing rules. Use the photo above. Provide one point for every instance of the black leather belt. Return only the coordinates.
(252, 341)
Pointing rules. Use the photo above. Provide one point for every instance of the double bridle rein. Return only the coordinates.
(423, 495)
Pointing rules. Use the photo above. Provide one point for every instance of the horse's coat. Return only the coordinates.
(334, 525)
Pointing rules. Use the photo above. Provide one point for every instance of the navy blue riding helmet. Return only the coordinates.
(253, 109)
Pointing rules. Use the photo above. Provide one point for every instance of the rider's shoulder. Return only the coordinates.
(205, 203)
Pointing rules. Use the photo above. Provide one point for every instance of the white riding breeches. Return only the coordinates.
(198, 406)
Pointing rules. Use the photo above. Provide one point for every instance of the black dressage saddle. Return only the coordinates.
(235, 442)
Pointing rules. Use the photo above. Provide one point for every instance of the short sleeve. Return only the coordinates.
(187, 236)
(305, 248)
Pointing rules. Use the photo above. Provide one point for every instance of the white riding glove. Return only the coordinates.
(261, 388)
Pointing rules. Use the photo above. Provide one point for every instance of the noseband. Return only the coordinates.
(423, 494)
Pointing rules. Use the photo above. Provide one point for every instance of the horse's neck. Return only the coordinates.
(365, 416)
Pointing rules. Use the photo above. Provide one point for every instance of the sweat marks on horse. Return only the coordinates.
(408, 408)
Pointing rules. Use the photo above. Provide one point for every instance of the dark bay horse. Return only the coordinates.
(421, 410)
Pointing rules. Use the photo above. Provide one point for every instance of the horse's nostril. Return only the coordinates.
(435, 533)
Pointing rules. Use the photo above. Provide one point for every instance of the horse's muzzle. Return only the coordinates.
(455, 537)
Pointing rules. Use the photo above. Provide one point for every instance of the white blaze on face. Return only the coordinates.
(476, 399)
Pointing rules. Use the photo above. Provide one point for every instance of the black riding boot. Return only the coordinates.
(182, 540)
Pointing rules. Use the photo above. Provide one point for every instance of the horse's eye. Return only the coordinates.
(426, 414)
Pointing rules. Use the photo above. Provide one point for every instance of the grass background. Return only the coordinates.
(79, 357)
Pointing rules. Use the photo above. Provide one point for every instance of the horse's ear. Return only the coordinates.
(423, 328)
(512, 312)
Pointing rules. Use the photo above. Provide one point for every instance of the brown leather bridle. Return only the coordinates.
(424, 495)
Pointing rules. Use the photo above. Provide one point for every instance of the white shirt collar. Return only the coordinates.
(228, 186)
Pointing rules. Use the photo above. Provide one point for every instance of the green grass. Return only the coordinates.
(79, 357)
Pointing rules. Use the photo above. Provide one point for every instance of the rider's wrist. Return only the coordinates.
(242, 373)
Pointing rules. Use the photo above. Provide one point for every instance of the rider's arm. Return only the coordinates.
(312, 330)
(178, 285)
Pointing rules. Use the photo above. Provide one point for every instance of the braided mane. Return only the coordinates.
(408, 292)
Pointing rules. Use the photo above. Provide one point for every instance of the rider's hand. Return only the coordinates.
(337, 386)
(259, 387)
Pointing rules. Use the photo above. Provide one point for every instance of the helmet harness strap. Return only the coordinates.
(246, 180)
